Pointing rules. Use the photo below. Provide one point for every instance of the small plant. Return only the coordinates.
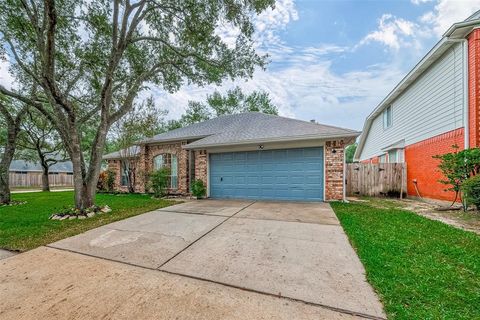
(110, 181)
(471, 191)
(159, 181)
(198, 189)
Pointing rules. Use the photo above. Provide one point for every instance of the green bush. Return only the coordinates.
(198, 189)
(110, 180)
(471, 190)
(159, 181)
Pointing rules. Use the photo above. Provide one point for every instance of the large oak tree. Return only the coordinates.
(91, 59)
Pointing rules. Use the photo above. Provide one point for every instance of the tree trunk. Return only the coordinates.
(4, 184)
(45, 182)
(12, 132)
(45, 171)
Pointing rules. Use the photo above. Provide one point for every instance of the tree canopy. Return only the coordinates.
(88, 61)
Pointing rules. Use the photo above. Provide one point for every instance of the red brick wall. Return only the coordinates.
(201, 165)
(422, 167)
(334, 152)
(474, 87)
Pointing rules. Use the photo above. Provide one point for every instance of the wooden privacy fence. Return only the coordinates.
(367, 179)
(34, 179)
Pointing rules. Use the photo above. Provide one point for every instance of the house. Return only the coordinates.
(250, 155)
(29, 174)
(436, 106)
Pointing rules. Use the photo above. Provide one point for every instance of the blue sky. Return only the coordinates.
(334, 61)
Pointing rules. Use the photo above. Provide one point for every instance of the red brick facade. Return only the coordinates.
(474, 87)
(423, 168)
(145, 165)
(334, 162)
(334, 167)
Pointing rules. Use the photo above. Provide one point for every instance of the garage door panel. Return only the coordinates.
(289, 174)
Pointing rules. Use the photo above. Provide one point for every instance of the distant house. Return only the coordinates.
(29, 174)
(250, 155)
(436, 106)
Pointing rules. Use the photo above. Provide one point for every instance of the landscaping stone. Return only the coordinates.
(82, 217)
(64, 217)
(106, 209)
(72, 217)
(90, 214)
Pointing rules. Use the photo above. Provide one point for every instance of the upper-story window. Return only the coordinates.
(387, 117)
(168, 160)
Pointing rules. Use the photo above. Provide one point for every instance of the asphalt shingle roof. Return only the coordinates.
(250, 127)
(124, 153)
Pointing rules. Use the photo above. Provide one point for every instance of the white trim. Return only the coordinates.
(354, 134)
(344, 171)
(466, 110)
(208, 173)
(325, 173)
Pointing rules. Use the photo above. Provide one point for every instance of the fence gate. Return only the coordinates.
(368, 179)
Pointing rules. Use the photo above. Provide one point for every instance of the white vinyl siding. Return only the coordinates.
(432, 105)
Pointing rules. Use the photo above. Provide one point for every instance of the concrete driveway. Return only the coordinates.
(207, 259)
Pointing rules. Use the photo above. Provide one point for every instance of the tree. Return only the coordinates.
(40, 143)
(12, 114)
(350, 153)
(234, 101)
(91, 59)
(144, 120)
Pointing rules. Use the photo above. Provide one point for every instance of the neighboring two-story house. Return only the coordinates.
(436, 106)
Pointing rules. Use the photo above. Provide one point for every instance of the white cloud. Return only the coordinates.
(392, 31)
(447, 12)
(419, 2)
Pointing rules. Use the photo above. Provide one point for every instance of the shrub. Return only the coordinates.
(471, 190)
(102, 181)
(106, 181)
(159, 182)
(110, 181)
(457, 167)
(198, 189)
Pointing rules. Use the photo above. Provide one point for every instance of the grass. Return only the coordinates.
(27, 226)
(422, 269)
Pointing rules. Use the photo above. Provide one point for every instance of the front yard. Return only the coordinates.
(422, 269)
(27, 226)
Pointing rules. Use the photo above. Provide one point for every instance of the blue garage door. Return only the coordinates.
(290, 174)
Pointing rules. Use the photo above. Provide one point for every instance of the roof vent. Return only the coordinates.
(313, 121)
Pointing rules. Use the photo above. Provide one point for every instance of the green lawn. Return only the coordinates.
(422, 269)
(27, 226)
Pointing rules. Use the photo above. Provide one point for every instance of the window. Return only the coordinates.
(382, 158)
(168, 160)
(387, 117)
(395, 156)
(392, 156)
(124, 174)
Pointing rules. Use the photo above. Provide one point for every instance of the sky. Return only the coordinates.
(333, 61)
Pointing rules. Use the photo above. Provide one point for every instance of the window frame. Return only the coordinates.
(123, 174)
(169, 160)
(387, 116)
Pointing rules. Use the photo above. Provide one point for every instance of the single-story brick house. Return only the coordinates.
(436, 106)
(250, 155)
